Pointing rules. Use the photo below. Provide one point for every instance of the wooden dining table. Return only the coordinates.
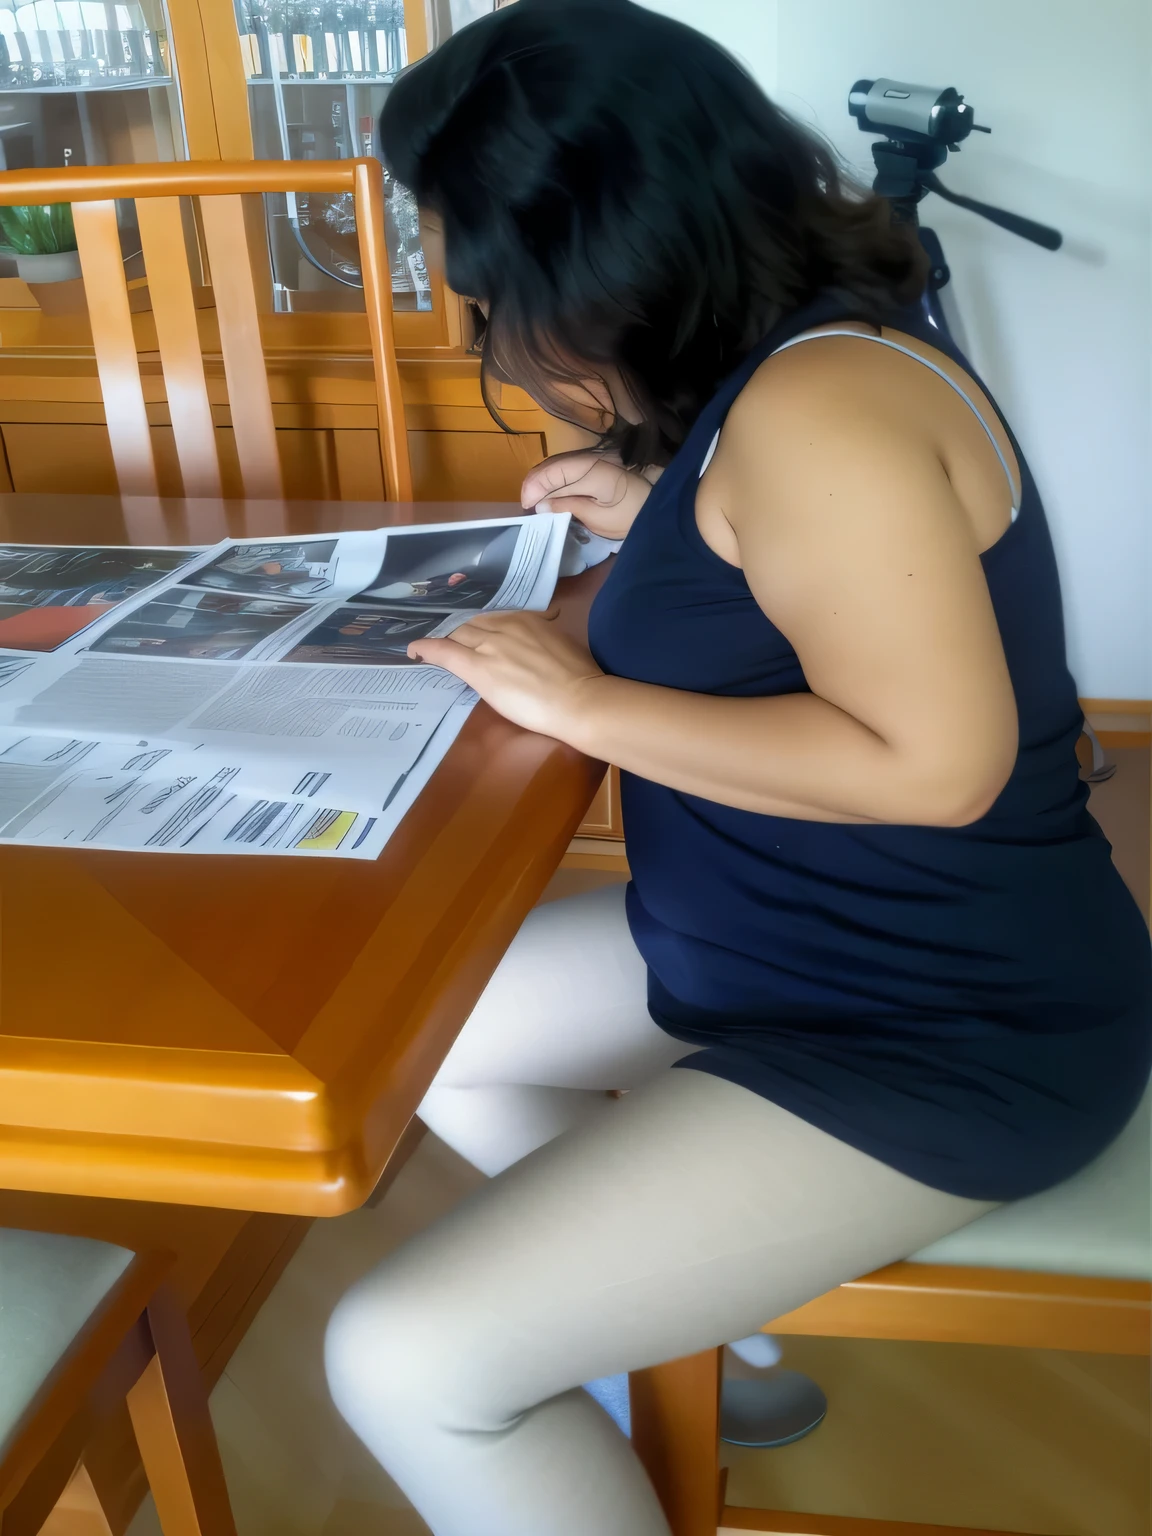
(204, 1053)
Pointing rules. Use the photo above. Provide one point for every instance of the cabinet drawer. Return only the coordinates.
(319, 463)
(472, 466)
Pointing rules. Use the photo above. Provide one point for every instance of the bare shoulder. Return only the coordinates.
(810, 415)
(832, 399)
(826, 371)
(878, 381)
(836, 397)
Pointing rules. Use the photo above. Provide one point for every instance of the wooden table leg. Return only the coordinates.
(676, 1434)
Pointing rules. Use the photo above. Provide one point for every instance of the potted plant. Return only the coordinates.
(43, 241)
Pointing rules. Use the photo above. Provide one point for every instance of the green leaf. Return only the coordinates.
(38, 229)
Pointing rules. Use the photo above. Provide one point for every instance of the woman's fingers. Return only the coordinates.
(481, 634)
(448, 653)
(526, 669)
(583, 508)
(553, 475)
(582, 474)
(470, 637)
(509, 619)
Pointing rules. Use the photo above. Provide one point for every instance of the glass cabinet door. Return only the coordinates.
(318, 73)
(84, 82)
(87, 82)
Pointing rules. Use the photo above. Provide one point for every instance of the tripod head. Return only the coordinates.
(921, 127)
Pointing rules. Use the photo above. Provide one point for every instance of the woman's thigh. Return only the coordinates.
(567, 1007)
(685, 1214)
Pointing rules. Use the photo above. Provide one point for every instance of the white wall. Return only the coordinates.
(1064, 340)
(747, 28)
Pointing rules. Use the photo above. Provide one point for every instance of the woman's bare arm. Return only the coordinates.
(854, 544)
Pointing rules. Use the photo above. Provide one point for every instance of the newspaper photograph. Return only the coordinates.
(363, 634)
(279, 568)
(465, 568)
(49, 595)
(214, 626)
(253, 698)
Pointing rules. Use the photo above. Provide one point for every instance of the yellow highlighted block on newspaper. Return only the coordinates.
(329, 831)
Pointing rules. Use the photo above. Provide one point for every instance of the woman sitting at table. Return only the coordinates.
(871, 921)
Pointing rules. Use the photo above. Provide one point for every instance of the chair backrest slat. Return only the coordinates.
(174, 311)
(376, 277)
(102, 264)
(219, 187)
(244, 367)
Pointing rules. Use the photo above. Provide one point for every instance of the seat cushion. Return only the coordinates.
(49, 1287)
(1097, 1223)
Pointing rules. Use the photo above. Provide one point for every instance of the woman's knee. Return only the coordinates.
(392, 1353)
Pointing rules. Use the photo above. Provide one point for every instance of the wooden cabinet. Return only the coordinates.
(223, 64)
(228, 79)
(603, 819)
(54, 438)
(599, 844)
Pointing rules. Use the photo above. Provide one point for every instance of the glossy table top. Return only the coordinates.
(256, 1033)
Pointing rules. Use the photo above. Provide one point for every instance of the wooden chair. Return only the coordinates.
(1068, 1269)
(84, 1325)
(219, 187)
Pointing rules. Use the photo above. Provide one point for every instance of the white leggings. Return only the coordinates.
(684, 1214)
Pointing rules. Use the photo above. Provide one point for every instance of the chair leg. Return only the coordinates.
(78, 1511)
(169, 1409)
(676, 1434)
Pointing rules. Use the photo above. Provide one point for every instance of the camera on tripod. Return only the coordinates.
(922, 125)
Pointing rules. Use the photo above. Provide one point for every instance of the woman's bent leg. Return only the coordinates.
(685, 1214)
(564, 1017)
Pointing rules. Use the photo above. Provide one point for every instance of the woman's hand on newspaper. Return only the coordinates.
(592, 486)
(521, 664)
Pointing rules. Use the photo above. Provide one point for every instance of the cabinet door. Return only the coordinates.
(472, 466)
(91, 84)
(603, 819)
(84, 84)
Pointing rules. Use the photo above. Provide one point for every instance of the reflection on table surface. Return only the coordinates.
(72, 519)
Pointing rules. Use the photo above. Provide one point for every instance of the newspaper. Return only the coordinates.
(255, 697)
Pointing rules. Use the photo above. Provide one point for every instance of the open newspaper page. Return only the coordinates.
(252, 698)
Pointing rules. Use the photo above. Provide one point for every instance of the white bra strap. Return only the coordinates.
(948, 379)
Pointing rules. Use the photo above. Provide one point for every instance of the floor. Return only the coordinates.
(1026, 1441)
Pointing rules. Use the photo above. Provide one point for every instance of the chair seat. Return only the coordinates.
(50, 1286)
(1097, 1223)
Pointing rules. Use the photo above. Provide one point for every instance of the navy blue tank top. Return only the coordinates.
(971, 1005)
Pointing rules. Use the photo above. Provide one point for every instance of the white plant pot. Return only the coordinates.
(52, 267)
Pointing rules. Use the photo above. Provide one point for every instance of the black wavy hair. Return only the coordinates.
(621, 194)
